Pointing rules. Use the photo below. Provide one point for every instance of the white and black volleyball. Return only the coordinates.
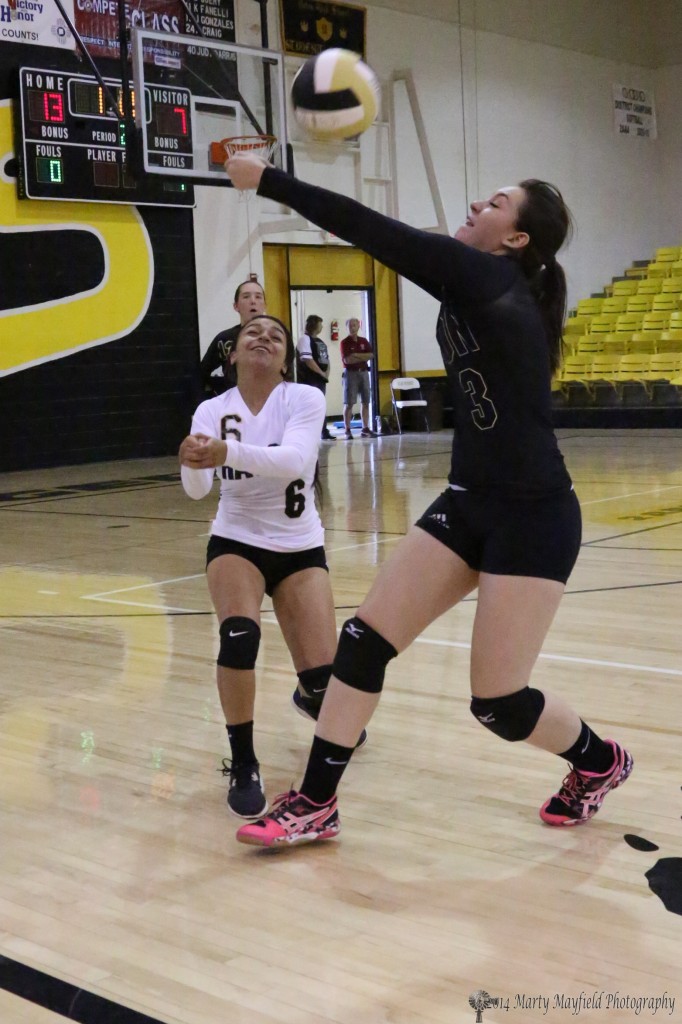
(335, 95)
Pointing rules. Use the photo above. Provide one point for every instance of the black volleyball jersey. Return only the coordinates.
(490, 334)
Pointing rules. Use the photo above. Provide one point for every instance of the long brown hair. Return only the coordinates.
(547, 220)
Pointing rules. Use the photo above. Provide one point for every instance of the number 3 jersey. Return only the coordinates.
(267, 482)
(490, 333)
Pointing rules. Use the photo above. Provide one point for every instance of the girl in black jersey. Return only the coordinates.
(509, 522)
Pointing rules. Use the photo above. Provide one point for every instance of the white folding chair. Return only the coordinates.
(409, 386)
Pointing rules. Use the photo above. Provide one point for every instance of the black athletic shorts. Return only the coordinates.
(274, 566)
(508, 536)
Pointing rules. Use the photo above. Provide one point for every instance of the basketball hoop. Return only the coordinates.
(259, 145)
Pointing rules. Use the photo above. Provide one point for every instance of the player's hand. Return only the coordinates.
(245, 170)
(198, 451)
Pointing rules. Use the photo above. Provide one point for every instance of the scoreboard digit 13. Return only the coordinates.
(72, 147)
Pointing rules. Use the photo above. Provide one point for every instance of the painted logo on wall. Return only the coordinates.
(36, 329)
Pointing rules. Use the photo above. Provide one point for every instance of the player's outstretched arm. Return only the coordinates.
(432, 261)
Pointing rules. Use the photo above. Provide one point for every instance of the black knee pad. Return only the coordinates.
(239, 642)
(362, 656)
(512, 717)
(314, 681)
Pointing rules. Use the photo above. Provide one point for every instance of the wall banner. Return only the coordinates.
(36, 22)
(97, 21)
(216, 19)
(310, 26)
(634, 112)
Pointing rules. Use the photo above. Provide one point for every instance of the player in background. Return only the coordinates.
(215, 369)
(262, 438)
(508, 524)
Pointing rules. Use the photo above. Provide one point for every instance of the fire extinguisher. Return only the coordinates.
(334, 327)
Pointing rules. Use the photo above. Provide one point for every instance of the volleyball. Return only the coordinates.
(335, 95)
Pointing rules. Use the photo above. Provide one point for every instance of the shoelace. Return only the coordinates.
(573, 788)
(242, 772)
(283, 804)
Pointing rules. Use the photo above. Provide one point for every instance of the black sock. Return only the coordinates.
(326, 765)
(241, 742)
(589, 753)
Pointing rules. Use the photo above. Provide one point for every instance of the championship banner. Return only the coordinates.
(310, 26)
(36, 22)
(634, 112)
(97, 21)
(216, 20)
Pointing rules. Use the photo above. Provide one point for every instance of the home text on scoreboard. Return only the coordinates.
(73, 146)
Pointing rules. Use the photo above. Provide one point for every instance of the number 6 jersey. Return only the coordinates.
(266, 484)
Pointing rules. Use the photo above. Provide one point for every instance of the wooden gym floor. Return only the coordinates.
(121, 876)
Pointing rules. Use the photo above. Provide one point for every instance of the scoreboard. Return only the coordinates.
(71, 146)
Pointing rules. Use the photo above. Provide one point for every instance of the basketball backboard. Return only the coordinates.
(198, 92)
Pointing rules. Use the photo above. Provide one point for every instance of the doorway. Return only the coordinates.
(337, 306)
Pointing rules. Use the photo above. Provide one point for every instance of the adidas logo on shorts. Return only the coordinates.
(440, 518)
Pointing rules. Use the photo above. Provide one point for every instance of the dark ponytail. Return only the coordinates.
(547, 220)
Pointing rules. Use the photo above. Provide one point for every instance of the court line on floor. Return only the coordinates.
(631, 533)
(570, 659)
(105, 594)
(633, 494)
(64, 998)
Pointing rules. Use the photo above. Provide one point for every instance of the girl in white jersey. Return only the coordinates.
(261, 439)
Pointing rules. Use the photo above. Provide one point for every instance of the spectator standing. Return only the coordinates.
(312, 361)
(356, 353)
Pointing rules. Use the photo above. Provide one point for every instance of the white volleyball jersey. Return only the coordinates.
(266, 484)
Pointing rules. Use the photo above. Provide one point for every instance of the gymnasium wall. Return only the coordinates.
(495, 108)
(669, 101)
(98, 327)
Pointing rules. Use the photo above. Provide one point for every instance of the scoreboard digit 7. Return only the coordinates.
(71, 146)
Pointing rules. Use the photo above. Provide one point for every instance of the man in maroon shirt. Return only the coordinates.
(356, 353)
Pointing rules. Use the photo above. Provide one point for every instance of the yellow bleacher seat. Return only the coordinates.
(644, 342)
(668, 254)
(670, 341)
(665, 365)
(650, 287)
(603, 323)
(604, 383)
(629, 322)
(639, 303)
(576, 368)
(616, 304)
(577, 325)
(573, 380)
(636, 272)
(676, 268)
(672, 285)
(604, 367)
(589, 307)
(659, 269)
(675, 321)
(665, 303)
(624, 288)
(656, 321)
(633, 366)
(614, 344)
(589, 345)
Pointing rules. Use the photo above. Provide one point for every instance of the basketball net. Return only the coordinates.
(259, 145)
